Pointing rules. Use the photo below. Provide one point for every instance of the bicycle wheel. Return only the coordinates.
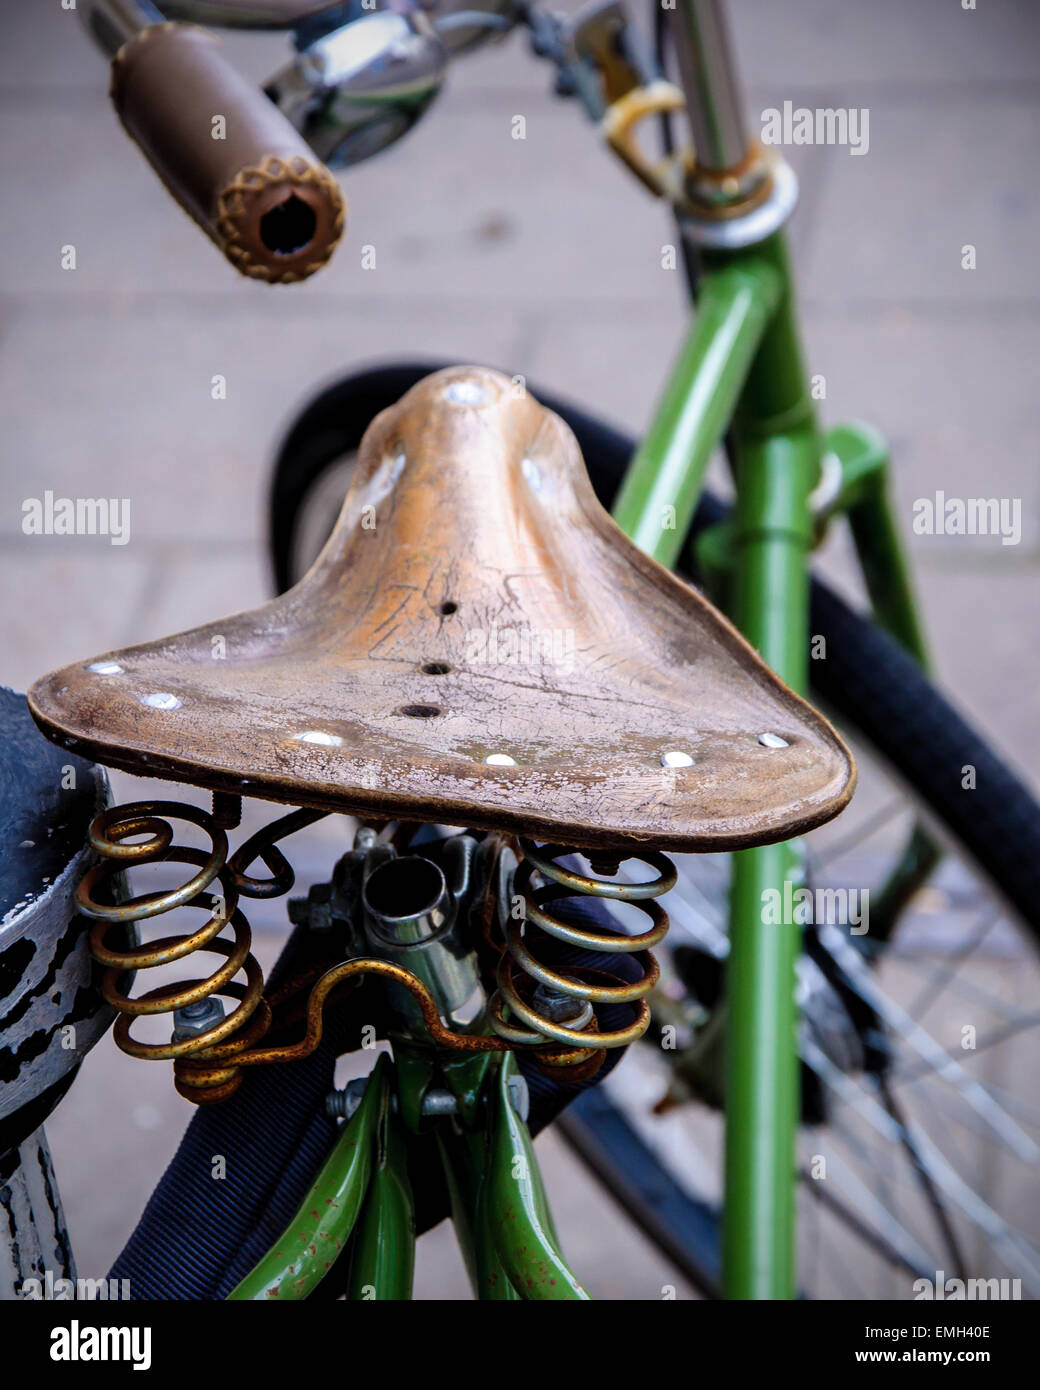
(907, 1133)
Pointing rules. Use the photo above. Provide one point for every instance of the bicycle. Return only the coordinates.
(741, 369)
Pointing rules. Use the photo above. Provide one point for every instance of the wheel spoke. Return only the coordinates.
(947, 970)
(822, 859)
(925, 1045)
(941, 1173)
(877, 1222)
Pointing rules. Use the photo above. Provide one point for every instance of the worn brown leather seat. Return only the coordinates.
(477, 644)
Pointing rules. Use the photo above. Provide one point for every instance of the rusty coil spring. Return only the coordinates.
(247, 1023)
(580, 1034)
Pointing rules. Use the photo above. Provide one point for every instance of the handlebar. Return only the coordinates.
(223, 149)
(246, 164)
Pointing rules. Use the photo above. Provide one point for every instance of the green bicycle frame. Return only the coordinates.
(742, 366)
(743, 363)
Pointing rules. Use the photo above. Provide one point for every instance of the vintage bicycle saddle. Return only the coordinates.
(477, 644)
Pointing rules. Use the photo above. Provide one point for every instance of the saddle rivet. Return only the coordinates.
(772, 741)
(500, 760)
(318, 736)
(466, 393)
(532, 473)
(161, 699)
(105, 668)
(674, 758)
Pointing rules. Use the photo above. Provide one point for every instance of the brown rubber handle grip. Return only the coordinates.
(271, 207)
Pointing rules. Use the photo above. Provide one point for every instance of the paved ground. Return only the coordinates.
(539, 256)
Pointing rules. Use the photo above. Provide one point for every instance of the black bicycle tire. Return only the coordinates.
(867, 677)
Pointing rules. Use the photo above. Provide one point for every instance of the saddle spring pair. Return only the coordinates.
(362, 690)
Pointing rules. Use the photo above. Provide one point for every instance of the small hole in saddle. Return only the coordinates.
(436, 668)
(289, 227)
(447, 607)
(420, 711)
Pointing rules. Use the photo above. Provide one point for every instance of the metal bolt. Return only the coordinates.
(197, 1018)
(438, 1100)
(603, 864)
(321, 915)
(343, 1105)
(561, 1008)
(315, 911)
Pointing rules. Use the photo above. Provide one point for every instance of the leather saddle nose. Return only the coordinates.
(477, 644)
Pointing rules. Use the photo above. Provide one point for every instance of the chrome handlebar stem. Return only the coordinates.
(708, 75)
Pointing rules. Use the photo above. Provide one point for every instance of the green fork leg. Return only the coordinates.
(383, 1249)
(318, 1233)
(499, 1206)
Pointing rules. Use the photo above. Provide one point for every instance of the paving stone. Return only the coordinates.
(948, 390)
(983, 632)
(898, 217)
(929, 41)
(58, 602)
(463, 211)
(119, 403)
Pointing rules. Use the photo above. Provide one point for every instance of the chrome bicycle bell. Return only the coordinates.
(352, 92)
